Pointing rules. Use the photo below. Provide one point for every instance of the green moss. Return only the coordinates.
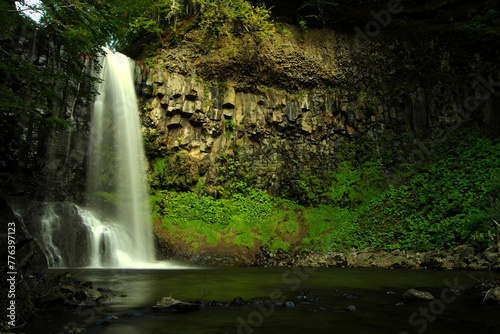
(244, 240)
(171, 172)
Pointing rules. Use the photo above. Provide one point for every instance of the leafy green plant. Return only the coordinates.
(355, 186)
(442, 205)
(446, 205)
(229, 126)
(244, 219)
(303, 25)
(234, 176)
(234, 17)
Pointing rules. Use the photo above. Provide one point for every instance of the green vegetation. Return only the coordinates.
(357, 179)
(241, 219)
(353, 187)
(234, 176)
(171, 173)
(312, 12)
(445, 205)
(232, 17)
(229, 126)
(449, 202)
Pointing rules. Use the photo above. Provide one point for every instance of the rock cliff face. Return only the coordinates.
(49, 158)
(44, 143)
(296, 108)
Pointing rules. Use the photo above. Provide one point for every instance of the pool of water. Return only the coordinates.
(321, 298)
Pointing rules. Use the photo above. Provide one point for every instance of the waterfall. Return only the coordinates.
(113, 229)
(118, 216)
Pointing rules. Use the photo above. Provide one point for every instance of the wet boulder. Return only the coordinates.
(88, 293)
(432, 259)
(464, 251)
(80, 294)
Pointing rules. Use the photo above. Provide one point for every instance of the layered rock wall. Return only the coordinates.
(299, 108)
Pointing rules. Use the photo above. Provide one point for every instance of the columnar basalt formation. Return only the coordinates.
(291, 110)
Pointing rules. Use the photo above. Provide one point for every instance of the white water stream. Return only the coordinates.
(121, 234)
(114, 229)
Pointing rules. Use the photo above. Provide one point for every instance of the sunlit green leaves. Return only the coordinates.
(235, 17)
(240, 219)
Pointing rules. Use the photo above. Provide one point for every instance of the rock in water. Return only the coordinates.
(413, 294)
(492, 296)
(169, 304)
(351, 308)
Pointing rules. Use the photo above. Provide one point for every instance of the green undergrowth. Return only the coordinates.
(451, 200)
(243, 220)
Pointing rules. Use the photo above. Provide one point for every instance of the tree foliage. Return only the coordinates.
(42, 67)
(230, 17)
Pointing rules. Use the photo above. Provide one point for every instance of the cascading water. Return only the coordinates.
(114, 229)
(51, 222)
(118, 217)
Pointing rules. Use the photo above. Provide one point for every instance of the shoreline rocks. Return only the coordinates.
(74, 293)
(463, 257)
